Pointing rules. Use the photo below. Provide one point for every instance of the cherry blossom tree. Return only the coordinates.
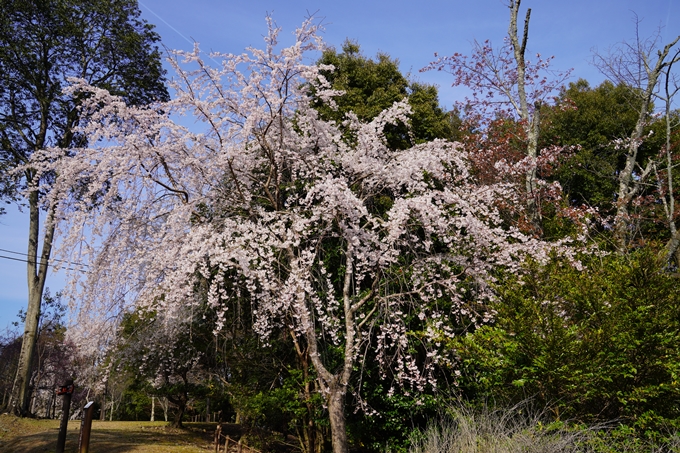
(322, 227)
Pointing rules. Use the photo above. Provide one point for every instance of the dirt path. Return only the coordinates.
(39, 436)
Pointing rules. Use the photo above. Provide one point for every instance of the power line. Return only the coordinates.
(51, 259)
(177, 31)
(38, 263)
(171, 27)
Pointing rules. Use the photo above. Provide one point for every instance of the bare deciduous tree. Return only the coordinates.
(639, 65)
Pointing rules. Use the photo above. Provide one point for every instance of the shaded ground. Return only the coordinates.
(38, 436)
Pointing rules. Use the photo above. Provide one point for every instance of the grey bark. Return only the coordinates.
(334, 385)
(36, 274)
(630, 183)
(667, 192)
(530, 121)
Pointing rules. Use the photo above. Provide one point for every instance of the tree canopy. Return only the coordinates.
(334, 239)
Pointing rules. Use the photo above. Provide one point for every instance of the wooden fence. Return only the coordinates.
(230, 445)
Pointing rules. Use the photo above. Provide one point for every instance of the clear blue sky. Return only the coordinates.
(409, 31)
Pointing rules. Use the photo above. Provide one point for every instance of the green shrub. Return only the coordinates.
(598, 344)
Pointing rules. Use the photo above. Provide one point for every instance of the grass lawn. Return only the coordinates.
(37, 436)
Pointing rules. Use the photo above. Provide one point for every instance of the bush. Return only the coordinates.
(599, 345)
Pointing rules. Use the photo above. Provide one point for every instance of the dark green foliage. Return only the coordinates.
(372, 86)
(592, 118)
(599, 344)
(42, 44)
(397, 416)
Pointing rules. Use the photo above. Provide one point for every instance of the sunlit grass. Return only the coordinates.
(33, 436)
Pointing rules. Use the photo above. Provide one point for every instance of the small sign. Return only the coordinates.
(63, 390)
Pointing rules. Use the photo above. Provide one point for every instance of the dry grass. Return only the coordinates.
(523, 429)
(514, 430)
(38, 436)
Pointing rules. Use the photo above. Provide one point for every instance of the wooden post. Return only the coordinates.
(67, 391)
(85, 428)
(218, 433)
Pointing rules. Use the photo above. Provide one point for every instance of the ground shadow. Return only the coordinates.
(118, 438)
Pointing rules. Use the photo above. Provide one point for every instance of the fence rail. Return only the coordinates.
(230, 445)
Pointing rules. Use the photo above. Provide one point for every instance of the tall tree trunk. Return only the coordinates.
(530, 119)
(165, 410)
(668, 192)
(334, 385)
(336, 414)
(37, 272)
(628, 185)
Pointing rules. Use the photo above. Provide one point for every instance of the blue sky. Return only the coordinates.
(409, 31)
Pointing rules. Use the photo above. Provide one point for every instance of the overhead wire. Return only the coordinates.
(51, 259)
(24, 260)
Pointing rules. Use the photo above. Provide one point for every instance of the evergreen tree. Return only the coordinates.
(373, 85)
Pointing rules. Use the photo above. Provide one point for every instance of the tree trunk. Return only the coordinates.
(102, 411)
(531, 121)
(181, 406)
(532, 131)
(21, 388)
(36, 284)
(629, 185)
(336, 414)
(334, 386)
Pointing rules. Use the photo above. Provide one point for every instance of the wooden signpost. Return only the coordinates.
(85, 428)
(67, 391)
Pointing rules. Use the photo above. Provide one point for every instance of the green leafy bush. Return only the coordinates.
(600, 344)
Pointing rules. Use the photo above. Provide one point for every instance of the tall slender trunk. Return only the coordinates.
(533, 209)
(336, 415)
(629, 186)
(673, 245)
(37, 272)
(629, 183)
(531, 121)
(334, 385)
